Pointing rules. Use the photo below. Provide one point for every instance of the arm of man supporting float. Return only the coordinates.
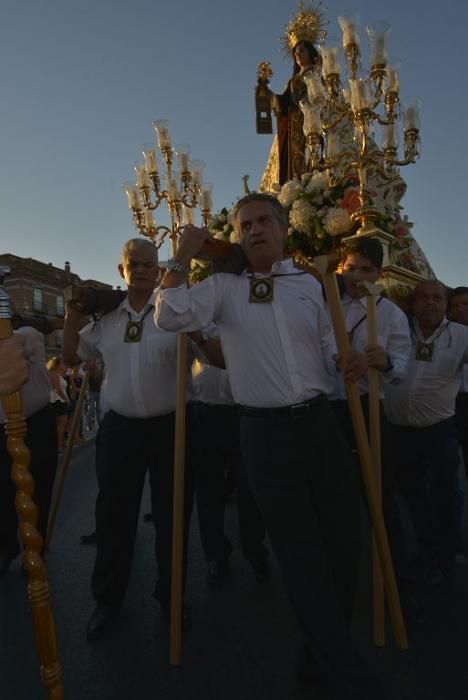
(396, 350)
(14, 368)
(74, 321)
(178, 308)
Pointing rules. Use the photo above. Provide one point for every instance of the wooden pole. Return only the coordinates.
(38, 585)
(175, 643)
(327, 266)
(74, 425)
(372, 291)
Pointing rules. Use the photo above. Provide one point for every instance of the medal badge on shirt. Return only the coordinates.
(261, 290)
(134, 329)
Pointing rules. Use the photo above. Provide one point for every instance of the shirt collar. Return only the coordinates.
(126, 306)
(438, 331)
(280, 267)
(347, 300)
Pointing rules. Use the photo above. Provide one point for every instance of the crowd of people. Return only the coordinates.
(266, 400)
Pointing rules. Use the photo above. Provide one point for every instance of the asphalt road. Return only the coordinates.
(243, 641)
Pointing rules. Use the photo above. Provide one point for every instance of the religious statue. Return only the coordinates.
(287, 156)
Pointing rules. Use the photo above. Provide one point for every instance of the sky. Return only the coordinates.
(82, 81)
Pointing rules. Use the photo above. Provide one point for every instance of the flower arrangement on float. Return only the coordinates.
(220, 226)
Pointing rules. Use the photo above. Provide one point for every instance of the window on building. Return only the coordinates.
(58, 338)
(37, 299)
(60, 307)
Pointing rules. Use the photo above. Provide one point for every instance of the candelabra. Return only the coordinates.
(183, 193)
(332, 109)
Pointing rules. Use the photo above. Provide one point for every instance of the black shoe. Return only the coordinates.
(6, 559)
(186, 615)
(261, 567)
(217, 573)
(100, 622)
(88, 539)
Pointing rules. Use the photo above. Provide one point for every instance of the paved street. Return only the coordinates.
(243, 641)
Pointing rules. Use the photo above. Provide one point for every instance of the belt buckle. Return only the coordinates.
(298, 409)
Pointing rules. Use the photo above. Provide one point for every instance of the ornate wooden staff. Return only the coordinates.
(175, 642)
(372, 292)
(327, 266)
(75, 423)
(38, 585)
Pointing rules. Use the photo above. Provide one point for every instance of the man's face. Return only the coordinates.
(140, 269)
(358, 269)
(262, 236)
(459, 309)
(429, 303)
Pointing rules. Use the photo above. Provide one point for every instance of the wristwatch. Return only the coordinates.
(175, 266)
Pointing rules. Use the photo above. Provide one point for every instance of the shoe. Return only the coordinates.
(217, 573)
(186, 615)
(100, 622)
(6, 560)
(261, 567)
(88, 539)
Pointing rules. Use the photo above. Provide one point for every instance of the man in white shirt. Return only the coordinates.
(458, 312)
(27, 345)
(278, 347)
(136, 433)
(421, 411)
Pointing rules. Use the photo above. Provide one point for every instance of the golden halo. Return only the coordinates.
(308, 24)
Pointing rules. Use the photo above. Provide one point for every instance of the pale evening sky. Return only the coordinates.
(82, 80)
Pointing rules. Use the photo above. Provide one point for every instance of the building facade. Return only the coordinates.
(36, 289)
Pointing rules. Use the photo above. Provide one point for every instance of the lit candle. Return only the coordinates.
(377, 34)
(315, 89)
(141, 176)
(360, 94)
(393, 84)
(162, 130)
(149, 221)
(348, 27)
(132, 196)
(312, 120)
(173, 189)
(188, 215)
(390, 136)
(206, 199)
(411, 117)
(197, 171)
(331, 64)
(183, 152)
(151, 164)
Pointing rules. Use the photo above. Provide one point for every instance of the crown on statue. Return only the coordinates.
(307, 25)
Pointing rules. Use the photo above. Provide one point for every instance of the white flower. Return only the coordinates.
(318, 182)
(289, 192)
(337, 221)
(220, 236)
(234, 237)
(301, 215)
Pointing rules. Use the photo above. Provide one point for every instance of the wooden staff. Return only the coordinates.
(38, 585)
(175, 642)
(327, 266)
(74, 425)
(372, 292)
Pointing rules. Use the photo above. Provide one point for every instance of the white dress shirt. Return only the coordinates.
(427, 394)
(393, 334)
(277, 353)
(35, 394)
(140, 378)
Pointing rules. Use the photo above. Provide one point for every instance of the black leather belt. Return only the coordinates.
(296, 410)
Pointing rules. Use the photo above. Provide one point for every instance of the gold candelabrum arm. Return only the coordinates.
(38, 585)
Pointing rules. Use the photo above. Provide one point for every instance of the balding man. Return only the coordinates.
(421, 411)
(136, 434)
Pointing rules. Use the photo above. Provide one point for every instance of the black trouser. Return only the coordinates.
(390, 499)
(427, 461)
(217, 439)
(302, 474)
(461, 416)
(127, 448)
(41, 439)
